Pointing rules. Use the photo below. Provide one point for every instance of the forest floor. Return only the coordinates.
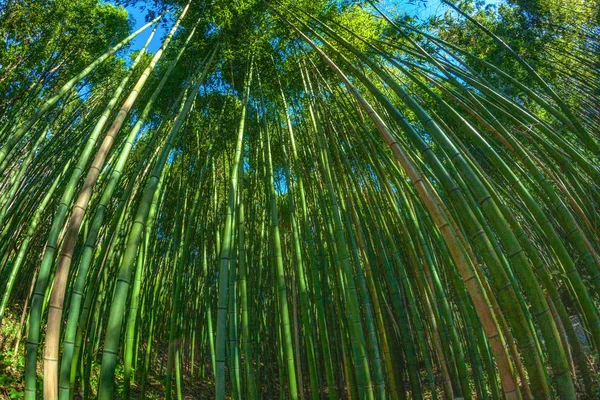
(12, 364)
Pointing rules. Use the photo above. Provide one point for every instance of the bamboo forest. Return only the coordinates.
(300, 199)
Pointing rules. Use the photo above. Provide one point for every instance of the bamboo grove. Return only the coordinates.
(300, 199)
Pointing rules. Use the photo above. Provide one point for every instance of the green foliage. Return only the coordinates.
(11, 363)
(54, 40)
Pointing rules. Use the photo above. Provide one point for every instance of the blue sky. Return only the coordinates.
(138, 16)
(419, 9)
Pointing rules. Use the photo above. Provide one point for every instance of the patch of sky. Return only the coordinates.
(279, 177)
(143, 131)
(173, 155)
(246, 162)
(212, 29)
(421, 10)
(139, 15)
(282, 51)
(84, 91)
(218, 84)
